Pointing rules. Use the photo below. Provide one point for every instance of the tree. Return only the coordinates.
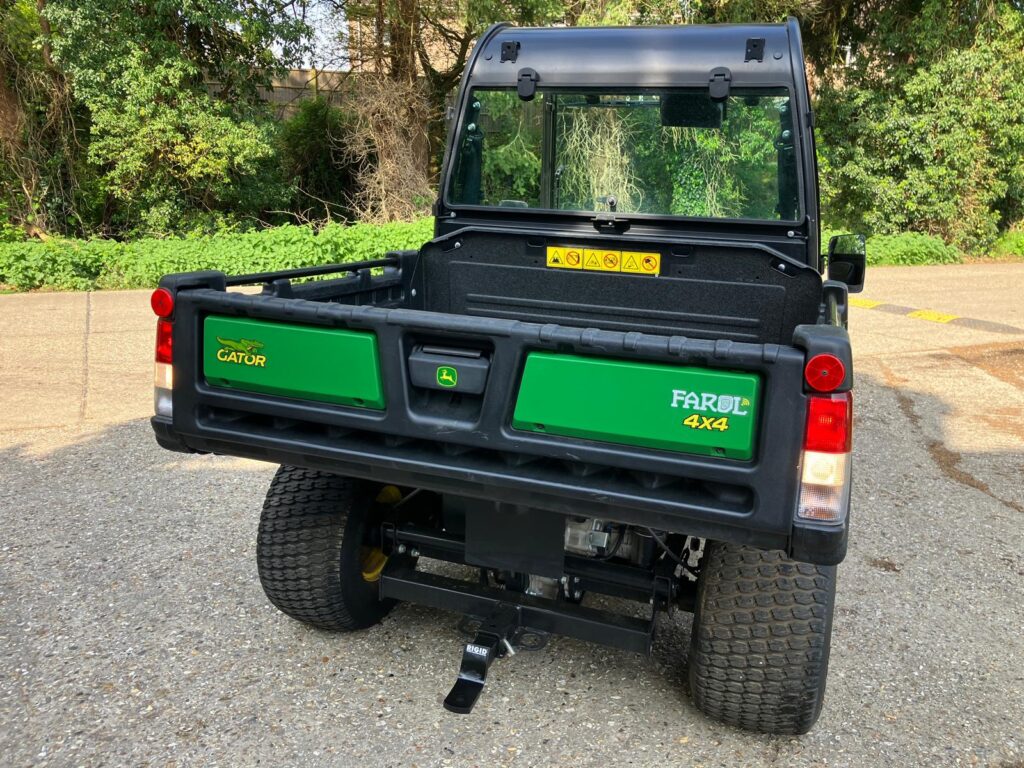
(171, 154)
(41, 168)
(315, 159)
(923, 136)
(424, 44)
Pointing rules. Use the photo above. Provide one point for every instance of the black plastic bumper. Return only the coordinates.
(679, 506)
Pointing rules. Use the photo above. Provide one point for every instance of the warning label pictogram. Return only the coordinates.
(561, 257)
(602, 260)
(641, 263)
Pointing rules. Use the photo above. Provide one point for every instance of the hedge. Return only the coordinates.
(904, 249)
(910, 248)
(89, 264)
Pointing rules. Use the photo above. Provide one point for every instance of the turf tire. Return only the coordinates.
(760, 642)
(311, 531)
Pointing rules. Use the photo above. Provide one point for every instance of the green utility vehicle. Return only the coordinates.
(616, 372)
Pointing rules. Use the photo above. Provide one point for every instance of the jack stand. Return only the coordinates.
(490, 642)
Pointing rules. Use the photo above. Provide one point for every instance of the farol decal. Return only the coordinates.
(708, 402)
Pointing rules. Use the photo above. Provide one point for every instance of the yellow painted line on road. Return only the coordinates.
(932, 316)
(856, 301)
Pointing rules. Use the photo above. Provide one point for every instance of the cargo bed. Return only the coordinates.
(394, 427)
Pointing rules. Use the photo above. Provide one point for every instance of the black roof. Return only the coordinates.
(640, 56)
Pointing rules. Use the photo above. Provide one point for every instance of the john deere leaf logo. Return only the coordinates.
(243, 351)
(447, 376)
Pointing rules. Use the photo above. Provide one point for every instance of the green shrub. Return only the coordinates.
(904, 249)
(1010, 244)
(88, 264)
(314, 159)
(9, 233)
(910, 248)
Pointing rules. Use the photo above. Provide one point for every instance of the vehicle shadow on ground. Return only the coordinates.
(130, 587)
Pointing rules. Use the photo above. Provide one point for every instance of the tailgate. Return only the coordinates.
(669, 407)
(666, 431)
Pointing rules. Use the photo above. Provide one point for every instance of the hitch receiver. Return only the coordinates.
(492, 641)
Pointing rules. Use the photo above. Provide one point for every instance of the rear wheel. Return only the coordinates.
(313, 552)
(760, 642)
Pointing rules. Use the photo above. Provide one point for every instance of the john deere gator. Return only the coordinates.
(619, 371)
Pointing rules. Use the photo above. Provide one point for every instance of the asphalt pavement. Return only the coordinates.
(133, 630)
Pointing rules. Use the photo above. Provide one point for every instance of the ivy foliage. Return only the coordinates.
(1010, 245)
(910, 249)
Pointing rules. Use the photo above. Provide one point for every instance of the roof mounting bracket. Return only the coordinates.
(526, 83)
(755, 49)
(509, 51)
(718, 83)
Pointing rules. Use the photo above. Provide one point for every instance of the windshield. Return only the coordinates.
(668, 152)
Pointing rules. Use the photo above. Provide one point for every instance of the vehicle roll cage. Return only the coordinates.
(744, 57)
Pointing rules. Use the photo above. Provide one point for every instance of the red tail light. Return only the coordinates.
(824, 373)
(825, 471)
(164, 341)
(162, 302)
(829, 423)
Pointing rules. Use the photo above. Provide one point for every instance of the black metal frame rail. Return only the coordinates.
(590, 624)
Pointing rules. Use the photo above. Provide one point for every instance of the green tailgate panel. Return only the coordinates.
(329, 365)
(675, 408)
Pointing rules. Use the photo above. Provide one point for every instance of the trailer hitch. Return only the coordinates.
(492, 641)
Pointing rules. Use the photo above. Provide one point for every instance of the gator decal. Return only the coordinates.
(243, 351)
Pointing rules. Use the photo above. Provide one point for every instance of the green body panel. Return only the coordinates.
(640, 404)
(329, 365)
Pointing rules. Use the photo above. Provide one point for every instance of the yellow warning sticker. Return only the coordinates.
(601, 260)
(641, 263)
(565, 257)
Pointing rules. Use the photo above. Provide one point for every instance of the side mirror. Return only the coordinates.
(847, 261)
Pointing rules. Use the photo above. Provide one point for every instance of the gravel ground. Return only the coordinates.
(133, 630)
